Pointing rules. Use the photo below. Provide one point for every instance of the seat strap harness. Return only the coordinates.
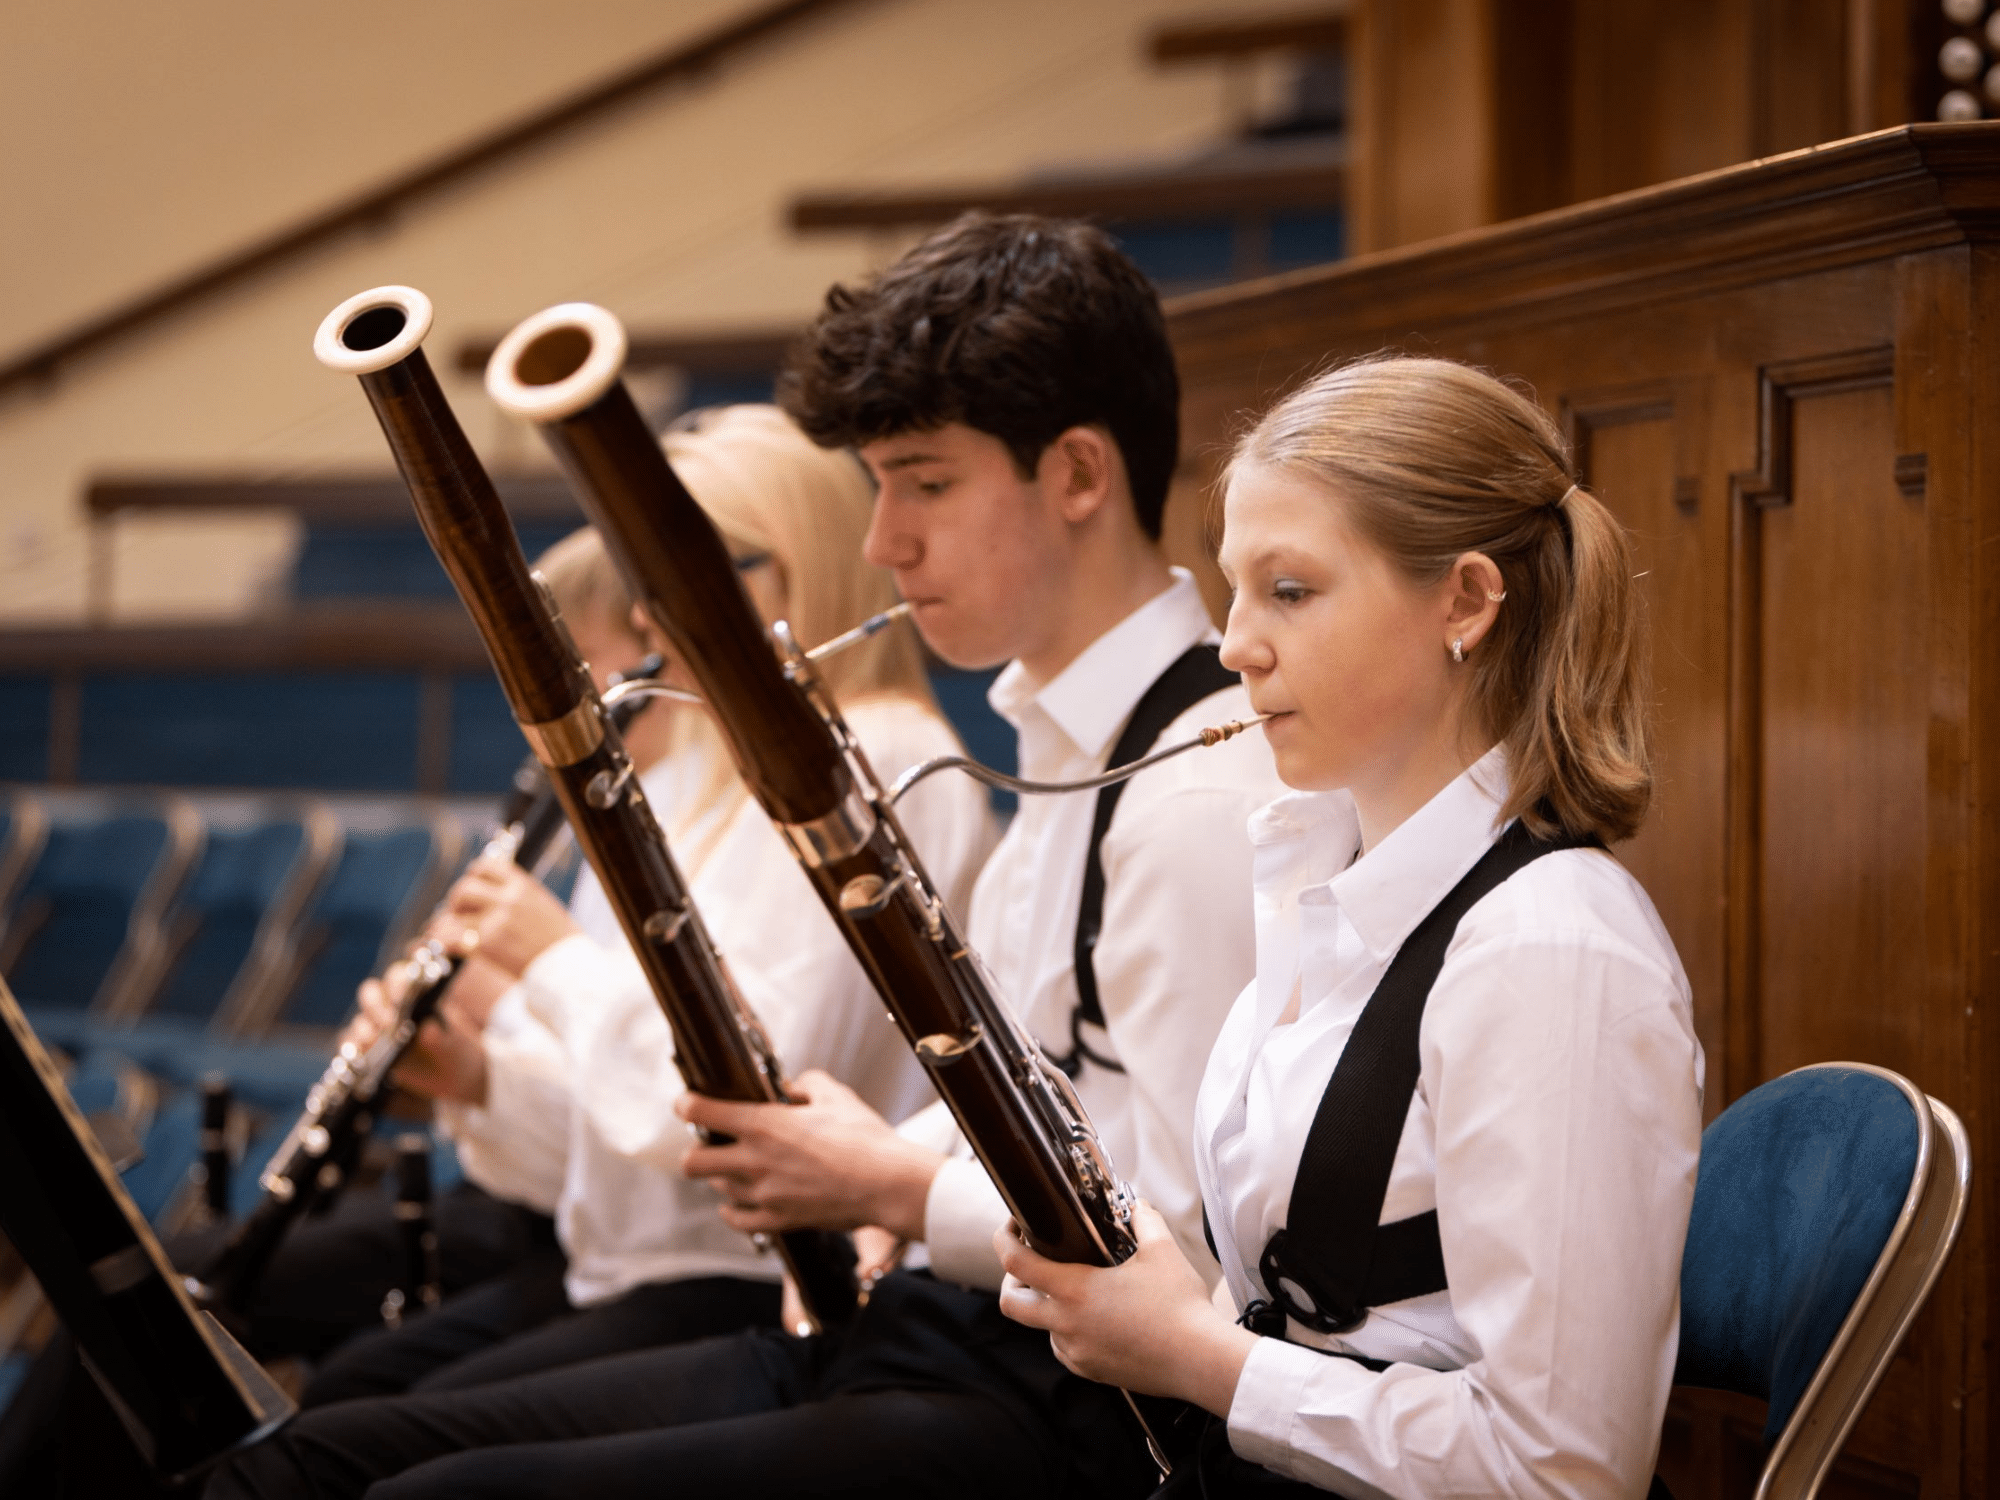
(1335, 1259)
(1193, 676)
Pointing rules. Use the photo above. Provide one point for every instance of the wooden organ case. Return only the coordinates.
(1785, 378)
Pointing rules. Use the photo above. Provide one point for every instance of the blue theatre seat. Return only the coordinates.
(240, 910)
(229, 945)
(84, 934)
(1827, 1202)
(381, 889)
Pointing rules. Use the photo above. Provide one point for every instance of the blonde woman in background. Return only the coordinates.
(565, 1100)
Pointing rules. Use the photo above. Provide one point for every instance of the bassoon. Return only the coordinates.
(317, 1156)
(719, 1047)
(561, 369)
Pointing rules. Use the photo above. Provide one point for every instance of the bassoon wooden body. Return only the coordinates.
(718, 1045)
(561, 369)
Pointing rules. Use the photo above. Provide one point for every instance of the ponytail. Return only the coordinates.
(1433, 459)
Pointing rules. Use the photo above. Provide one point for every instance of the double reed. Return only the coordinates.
(719, 1047)
(561, 369)
(318, 1154)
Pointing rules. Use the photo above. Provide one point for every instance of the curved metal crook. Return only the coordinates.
(1005, 782)
(647, 687)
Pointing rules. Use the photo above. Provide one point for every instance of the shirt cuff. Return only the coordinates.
(1271, 1392)
(961, 1214)
(573, 966)
(933, 1126)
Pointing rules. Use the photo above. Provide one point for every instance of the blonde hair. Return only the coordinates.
(585, 582)
(770, 488)
(1431, 459)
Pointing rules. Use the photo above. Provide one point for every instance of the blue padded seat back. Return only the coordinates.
(87, 881)
(1801, 1182)
(173, 1146)
(240, 875)
(345, 929)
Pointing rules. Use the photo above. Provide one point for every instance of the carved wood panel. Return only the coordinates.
(1789, 400)
(1634, 448)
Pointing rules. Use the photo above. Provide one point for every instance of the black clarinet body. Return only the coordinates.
(421, 1286)
(719, 1047)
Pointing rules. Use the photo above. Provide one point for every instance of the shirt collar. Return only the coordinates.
(1395, 885)
(1095, 694)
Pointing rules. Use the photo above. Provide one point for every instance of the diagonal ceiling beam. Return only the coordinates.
(41, 362)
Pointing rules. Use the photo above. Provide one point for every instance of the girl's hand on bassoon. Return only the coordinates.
(1147, 1325)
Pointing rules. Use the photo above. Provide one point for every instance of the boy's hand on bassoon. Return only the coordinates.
(825, 1162)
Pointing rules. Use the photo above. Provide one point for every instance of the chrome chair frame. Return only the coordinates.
(28, 832)
(259, 987)
(1919, 1244)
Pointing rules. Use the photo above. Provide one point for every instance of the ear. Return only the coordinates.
(1080, 470)
(1474, 594)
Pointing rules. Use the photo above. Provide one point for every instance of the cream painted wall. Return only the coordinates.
(142, 139)
(671, 214)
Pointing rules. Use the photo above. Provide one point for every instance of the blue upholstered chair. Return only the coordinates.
(377, 896)
(232, 931)
(228, 947)
(84, 937)
(1827, 1202)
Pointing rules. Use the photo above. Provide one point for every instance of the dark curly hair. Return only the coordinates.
(1018, 326)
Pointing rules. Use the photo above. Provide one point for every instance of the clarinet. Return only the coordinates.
(317, 1157)
(719, 1047)
(420, 1289)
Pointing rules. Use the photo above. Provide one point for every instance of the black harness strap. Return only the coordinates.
(1195, 673)
(1334, 1259)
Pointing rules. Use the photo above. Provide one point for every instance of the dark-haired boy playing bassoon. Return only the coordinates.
(1010, 385)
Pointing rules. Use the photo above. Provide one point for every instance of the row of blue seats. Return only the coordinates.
(155, 946)
(168, 933)
(151, 946)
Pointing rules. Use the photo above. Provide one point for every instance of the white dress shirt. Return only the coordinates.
(1555, 1129)
(1178, 938)
(582, 1040)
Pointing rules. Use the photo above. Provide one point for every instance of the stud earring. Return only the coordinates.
(1458, 649)
(1496, 598)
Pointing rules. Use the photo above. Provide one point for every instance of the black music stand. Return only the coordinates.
(186, 1391)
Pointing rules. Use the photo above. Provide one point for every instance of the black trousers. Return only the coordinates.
(521, 1323)
(328, 1279)
(932, 1392)
(58, 1437)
